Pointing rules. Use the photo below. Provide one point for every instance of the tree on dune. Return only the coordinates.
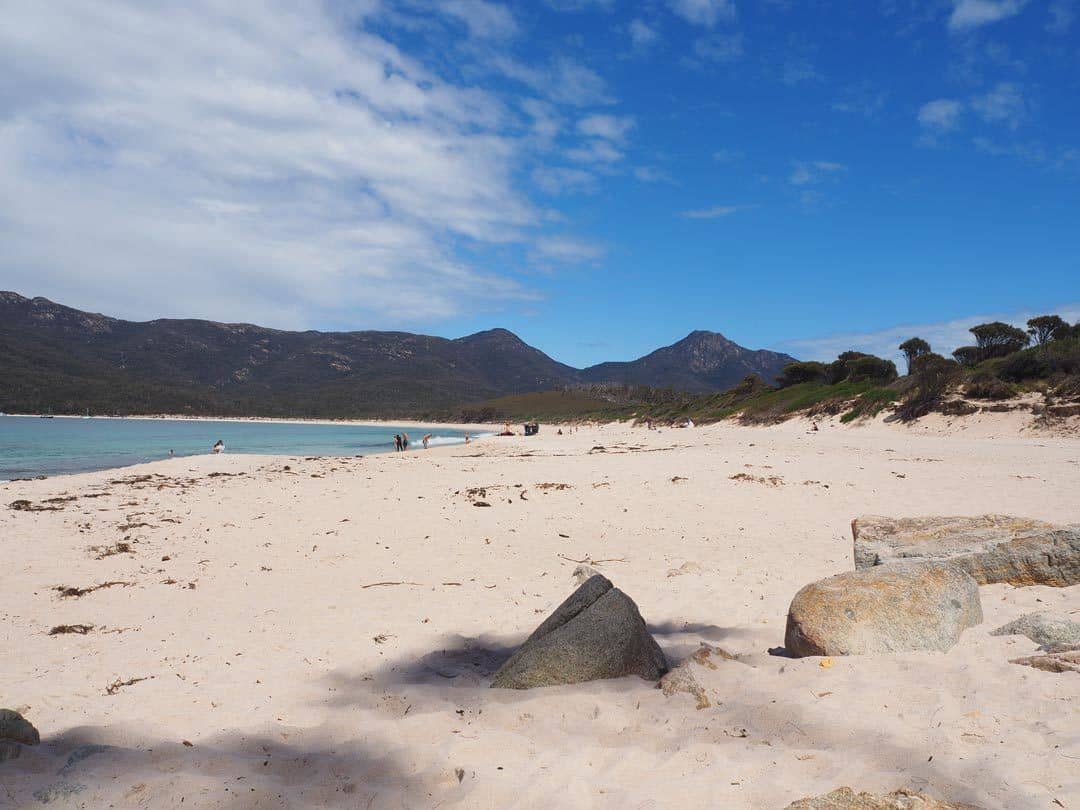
(1044, 328)
(914, 348)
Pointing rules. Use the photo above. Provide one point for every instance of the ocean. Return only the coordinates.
(31, 446)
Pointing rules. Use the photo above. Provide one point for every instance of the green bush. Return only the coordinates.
(969, 355)
(799, 372)
(934, 377)
(987, 386)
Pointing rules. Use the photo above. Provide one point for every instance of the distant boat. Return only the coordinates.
(47, 415)
(87, 416)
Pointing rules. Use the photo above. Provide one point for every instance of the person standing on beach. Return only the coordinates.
(426, 439)
(404, 441)
(397, 442)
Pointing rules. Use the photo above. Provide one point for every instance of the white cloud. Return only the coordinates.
(612, 127)
(642, 35)
(715, 212)
(564, 81)
(1004, 104)
(595, 152)
(276, 163)
(568, 249)
(562, 180)
(581, 5)
(943, 336)
(483, 19)
(809, 172)
(649, 174)
(940, 115)
(704, 12)
(969, 14)
(1062, 16)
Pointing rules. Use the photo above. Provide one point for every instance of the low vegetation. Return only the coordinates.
(1004, 362)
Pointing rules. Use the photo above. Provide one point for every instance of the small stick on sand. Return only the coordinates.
(381, 584)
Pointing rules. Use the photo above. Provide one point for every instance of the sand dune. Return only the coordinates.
(322, 632)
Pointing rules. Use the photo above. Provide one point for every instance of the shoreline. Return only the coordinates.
(294, 420)
(478, 432)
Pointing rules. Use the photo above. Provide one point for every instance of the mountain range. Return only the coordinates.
(59, 359)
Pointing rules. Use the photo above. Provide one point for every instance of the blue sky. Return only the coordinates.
(599, 176)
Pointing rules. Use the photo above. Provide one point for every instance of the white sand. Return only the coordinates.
(299, 687)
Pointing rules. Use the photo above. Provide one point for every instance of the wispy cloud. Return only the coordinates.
(943, 336)
(1004, 104)
(612, 127)
(815, 171)
(568, 249)
(968, 14)
(704, 12)
(285, 165)
(716, 211)
(940, 115)
(642, 35)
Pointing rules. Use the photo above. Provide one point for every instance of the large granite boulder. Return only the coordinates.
(15, 727)
(892, 608)
(15, 732)
(596, 633)
(992, 548)
(847, 799)
(1045, 629)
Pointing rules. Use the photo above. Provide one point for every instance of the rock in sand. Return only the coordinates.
(992, 548)
(596, 633)
(893, 608)
(1065, 658)
(847, 799)
(15, 732)
(1045, 629)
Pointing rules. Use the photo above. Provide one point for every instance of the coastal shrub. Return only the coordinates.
(1066, 332)
(934, 377)
(1027, 365)
(968, 355)
(871, 368)
(860, 367)
(999, 339)
(987, 386)
(913, 348)
(1044, 328)
(801, 372)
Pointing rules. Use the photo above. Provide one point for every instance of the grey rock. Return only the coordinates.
(15, 727)
(1063, 658)
(847, 799)
(892, 608)
(596, 633)
(9, 750)
(1045, 629)
(992, 548)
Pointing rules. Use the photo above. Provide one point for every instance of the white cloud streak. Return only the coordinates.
(969, 14)
(274, 162)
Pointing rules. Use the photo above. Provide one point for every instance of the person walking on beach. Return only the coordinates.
(397, 442)
(466, 438)
(404, 441)
(426, 439)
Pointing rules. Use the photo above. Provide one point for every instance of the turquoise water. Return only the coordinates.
(31, 446)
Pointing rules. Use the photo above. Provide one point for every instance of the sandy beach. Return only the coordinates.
(288, 632)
